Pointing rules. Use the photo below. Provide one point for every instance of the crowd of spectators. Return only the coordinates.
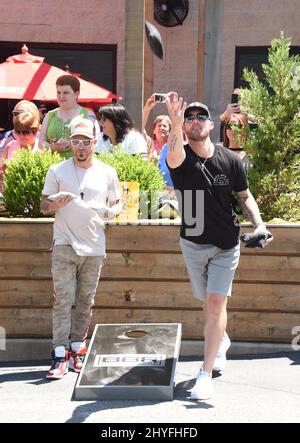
(36, 126)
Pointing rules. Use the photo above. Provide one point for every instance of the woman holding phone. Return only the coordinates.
(161, 127)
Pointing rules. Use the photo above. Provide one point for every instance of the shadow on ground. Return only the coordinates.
(293, 356)
(36, 376)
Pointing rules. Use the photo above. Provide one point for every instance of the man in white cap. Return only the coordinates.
(82, 192)
(204, 176)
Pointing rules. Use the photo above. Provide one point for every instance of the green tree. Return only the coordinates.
(24, 180)
(273, 147)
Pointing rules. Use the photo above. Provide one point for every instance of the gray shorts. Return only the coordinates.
(210, 268)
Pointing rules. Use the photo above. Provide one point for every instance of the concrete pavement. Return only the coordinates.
(256, 388)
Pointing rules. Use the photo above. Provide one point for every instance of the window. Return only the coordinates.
(95, 63)
(252, 57)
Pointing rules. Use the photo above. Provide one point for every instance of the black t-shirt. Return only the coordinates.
(204, 195)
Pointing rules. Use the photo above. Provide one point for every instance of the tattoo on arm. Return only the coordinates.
(250, 209)
(173, 142)
(45, 203)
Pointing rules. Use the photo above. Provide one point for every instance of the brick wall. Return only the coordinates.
(69, 21)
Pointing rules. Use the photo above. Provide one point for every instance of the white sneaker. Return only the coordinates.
(203, 388)
(221, 360)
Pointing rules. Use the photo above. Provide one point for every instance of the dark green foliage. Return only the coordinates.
(24, 180)
(134, 168)
(273, 146)
(26, 172)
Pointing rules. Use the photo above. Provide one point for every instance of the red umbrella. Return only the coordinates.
(26, 76)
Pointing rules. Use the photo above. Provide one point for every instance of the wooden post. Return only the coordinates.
(201, 47)
(148, 64)
(148, 61)
(213, 60)
(134, 59)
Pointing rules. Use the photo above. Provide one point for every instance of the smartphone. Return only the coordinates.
(160, 97)
(234, 98)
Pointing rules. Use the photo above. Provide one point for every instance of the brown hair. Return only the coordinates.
(158, 119)
(69, 80)
(27, 120)
(241, 118)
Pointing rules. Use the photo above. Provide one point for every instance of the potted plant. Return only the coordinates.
(133, 169)
(26, 172)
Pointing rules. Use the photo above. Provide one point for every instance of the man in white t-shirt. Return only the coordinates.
(82, 192)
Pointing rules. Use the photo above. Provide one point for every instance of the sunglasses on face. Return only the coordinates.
(15, 113)
(233, 125)
(76, 143)
(199, 117)
(26, 132)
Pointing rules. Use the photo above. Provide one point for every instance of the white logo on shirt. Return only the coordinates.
(221, 180)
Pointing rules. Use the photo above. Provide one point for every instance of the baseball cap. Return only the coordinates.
(197, 105)
(82, 126)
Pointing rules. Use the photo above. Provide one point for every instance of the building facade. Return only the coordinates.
(202, 57)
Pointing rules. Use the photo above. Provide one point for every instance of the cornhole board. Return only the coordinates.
(130, 362)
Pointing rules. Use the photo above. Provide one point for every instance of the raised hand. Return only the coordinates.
(176, 108)
(150, 103)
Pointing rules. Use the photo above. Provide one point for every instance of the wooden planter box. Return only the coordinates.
(144, 280)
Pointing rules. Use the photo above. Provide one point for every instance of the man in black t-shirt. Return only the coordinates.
(204, 176)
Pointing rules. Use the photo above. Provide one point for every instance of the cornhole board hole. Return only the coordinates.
(130, 362)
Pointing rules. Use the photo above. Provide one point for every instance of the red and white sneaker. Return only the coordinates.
(59, 367)
(76, 359)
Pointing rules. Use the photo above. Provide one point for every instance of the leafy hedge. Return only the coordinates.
(134, 168)
(24, 181)
(26, 172)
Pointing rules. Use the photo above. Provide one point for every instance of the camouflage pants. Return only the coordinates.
(75, 280)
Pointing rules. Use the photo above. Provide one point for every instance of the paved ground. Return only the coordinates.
(259, 388)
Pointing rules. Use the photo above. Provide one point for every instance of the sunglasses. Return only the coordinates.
(233, 125)
(199, 117)
(76, 143)
(26, 132)
(15, 113)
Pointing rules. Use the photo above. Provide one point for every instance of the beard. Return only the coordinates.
(197, 135)
(82, 157)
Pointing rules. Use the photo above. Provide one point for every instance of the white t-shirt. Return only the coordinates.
(76, 224)
(133, 143)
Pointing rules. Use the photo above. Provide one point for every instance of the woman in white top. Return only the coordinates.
(117, 127)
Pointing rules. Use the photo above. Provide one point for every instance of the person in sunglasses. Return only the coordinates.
(118, 130)
(230, 138)
(82, 192)
(21, 106)
(26, 126)
(204, 176)
(234, 142)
